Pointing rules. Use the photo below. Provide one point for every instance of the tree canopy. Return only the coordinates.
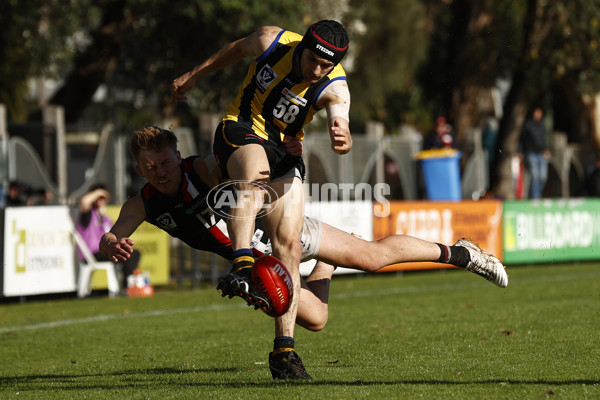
(407, 58)
(135, 46)
(39, 38)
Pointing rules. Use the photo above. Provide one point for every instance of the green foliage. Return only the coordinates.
(172, 37)
(38, 38)
(447, 335)
(573, 46)
(471, 42)
(164, 40)
(406, 59)
(389, 41)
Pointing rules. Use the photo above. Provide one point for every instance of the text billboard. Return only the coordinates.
(551, 230)
(442, 222)
(38, 251)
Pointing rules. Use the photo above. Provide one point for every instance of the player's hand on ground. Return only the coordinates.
(120, 250)
(341, 140)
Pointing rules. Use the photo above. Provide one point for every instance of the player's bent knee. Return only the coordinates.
(367, 262)
(317, 328)
(314, 325)
(313, 317)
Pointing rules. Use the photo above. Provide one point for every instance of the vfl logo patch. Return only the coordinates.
(166, 221)
(265, 77)
(293, 97)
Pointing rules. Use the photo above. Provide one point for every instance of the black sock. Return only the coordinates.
(455, 255)
(283, 344)
(444, 253)
(242, 258)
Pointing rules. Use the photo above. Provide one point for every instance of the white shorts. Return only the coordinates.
(311, 238)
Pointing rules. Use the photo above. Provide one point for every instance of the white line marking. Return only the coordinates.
(348, 295)
(108, 317)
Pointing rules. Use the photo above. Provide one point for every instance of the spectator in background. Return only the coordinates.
(15, 196)
(92, 224)
(592, 177)
(534, 150)
(20, 194)
(441, 136)
(489, 137)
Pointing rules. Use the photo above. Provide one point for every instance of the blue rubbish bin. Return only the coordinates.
(441, 172)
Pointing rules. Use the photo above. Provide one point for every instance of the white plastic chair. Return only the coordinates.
(84, 284)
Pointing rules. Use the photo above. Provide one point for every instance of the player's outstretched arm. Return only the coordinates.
(116, 245)
(252, 45)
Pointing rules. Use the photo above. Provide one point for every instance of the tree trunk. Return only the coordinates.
(509, 129)
(470, 100)
(572, 110)
(594, 115)
(471, 105)
(525, 86)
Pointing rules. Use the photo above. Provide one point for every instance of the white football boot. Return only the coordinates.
(484, 264)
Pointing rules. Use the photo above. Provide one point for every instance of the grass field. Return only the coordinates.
(433, 335)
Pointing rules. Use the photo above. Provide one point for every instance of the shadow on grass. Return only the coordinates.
(141, 378)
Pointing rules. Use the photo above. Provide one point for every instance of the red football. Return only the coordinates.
(272, 278)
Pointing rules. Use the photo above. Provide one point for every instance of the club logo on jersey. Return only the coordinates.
(293, 97)
(166, 222)
(225, 199)
(265, 77)
(196, 205)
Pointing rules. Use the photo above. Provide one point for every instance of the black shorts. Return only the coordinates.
(231, 135)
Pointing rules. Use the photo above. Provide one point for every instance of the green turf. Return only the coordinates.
(432, 335)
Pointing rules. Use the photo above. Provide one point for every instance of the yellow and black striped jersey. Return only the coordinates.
(274, 101)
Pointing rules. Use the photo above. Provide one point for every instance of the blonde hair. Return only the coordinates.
(151, 138)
